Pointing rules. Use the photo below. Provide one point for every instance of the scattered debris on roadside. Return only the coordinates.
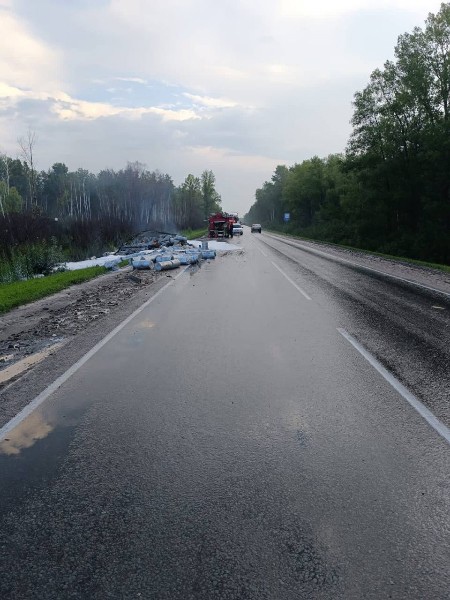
(30, 330)
(150, 240)
(166, 258)
(152, 247)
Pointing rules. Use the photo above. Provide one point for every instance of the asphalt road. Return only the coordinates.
(229, 441)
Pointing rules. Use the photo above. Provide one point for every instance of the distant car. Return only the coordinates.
(238, 229)
(256, 227)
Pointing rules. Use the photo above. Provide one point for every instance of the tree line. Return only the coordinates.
(390, 190)
(88, 213)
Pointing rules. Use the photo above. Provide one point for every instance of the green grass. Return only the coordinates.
(22, 292)
(420, 263)
(192, 234)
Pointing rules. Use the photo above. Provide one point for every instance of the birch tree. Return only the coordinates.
(27, 145)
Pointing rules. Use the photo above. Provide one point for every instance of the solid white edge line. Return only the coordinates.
(353, 264)
(423, 411)
(290, 281)
(34, 404)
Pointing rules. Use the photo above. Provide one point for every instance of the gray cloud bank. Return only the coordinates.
(188, 85)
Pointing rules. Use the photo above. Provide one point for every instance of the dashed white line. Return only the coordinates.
(292, 282)
(42, 397)
(262, 252)
(423, 411)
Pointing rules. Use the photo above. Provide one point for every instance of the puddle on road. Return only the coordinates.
(26, 434)
(32, 451)
(147, 324)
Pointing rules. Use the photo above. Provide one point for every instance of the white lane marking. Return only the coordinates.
(262, 252)
(290, 281)
(423, 411)
(42, 397)
(354, 264)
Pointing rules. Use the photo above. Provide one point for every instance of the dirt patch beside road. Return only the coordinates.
(29, 328)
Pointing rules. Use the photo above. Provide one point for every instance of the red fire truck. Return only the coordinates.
(220, 223)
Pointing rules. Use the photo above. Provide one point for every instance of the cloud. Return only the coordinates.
(132, 80)
(210, 102)
(25, 60)
(9, 91)
(325, 9)
(238, 86)
(67, 108)
(72, 110)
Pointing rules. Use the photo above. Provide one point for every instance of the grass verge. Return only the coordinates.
(420, 263)
(22, 292)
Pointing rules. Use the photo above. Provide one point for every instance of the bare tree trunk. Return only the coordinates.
(27, 147)
(5, 160)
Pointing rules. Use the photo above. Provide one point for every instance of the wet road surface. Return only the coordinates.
(229, 442)
(407, 327)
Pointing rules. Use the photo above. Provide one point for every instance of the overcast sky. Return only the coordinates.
(236, 86)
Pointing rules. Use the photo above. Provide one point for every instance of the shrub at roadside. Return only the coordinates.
(27, 261)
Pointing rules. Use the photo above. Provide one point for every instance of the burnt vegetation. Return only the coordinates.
(50, 216)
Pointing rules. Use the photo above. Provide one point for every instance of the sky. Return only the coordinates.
(183, 86)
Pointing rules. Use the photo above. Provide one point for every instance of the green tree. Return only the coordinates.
(270, 202)
(10, 199)
(191, 201)
(305, 190)
(210, 198)
(55, 189)
(400, 146)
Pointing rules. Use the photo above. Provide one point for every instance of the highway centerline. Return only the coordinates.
(423, 411)
(292, 282)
